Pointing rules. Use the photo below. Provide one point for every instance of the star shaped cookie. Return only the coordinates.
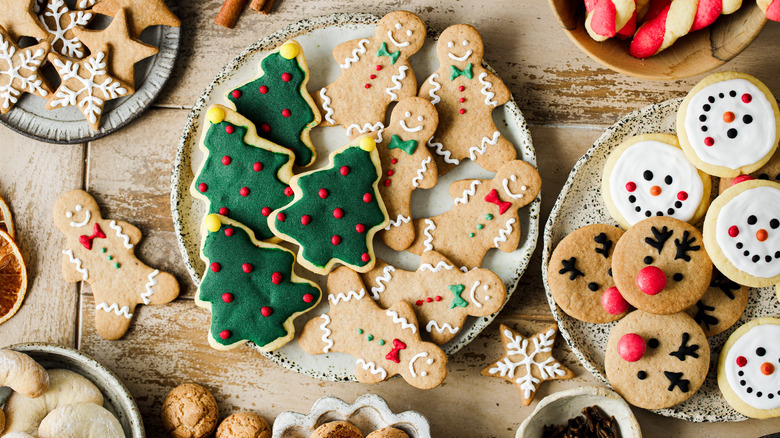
(18, 19)
(19, 71)
(140, 13)
(60, 22)
(528, 362)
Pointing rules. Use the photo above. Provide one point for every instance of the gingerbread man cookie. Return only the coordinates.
(443, 295)
(100, 252)
(484, 216)
(465, 94)
(385, 342)
(406, 165)
(374, 72)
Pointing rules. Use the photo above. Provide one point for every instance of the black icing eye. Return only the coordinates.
(647, 175)
(760, 351)
(632, 199)
(593, 286)
(707, 107)
(653, 343)
(677, 277)
(648, 260)
(668, 180)
(731, 133)
(733, 93)
(711, 99)
(748, 119)
(641, 375)
(774, 223)
(752, 220)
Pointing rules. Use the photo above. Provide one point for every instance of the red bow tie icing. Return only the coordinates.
(397, 347)
(493, 198)
(87, 240)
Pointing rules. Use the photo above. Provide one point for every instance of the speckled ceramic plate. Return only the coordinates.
(579, 204)
(318, 37)
(68, 126)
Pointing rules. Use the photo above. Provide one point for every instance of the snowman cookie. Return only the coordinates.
(727, 124)
(579, 275)
(742, 233)
(749, 369)
(721, 306)
(649, 175)
(660, 265)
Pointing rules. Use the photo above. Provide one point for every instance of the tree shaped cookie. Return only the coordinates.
(250, 288)
(336, 210)
(243, 176)
(484, 216)
(385, 342)
(406, 165)
(442, 295)
(101, 252)
(278, 104)
(528, 362)
(19, 71)
(465, 94)
(374, 72)
(60, 22)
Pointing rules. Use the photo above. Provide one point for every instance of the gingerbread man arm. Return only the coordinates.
(407, 80)
(493, 89)
(508, 237)
(159, 288)
(315, 338)
(428, 173)
(464, 190)
(73, 268)
(349, 52)
(127, 233)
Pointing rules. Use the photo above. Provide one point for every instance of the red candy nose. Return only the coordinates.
(651, 280)
(741, 178)
(613, 302)
(631, 347)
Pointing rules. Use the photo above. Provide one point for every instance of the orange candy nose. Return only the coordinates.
(728, 117)
(767, 368)
(655, 190)
(762, 235)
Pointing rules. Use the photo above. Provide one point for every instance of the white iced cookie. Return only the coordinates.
(727, 124)
(649, 175)
(80, 420)
(748, 369)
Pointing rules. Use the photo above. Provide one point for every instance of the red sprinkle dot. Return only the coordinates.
(305, 219)
(344, 170)
(394, 160)
(741, 361)
(378, 67)
(682, 195)
(365, 257)
(281, 217)
(236, 93)
(387, 182)
(368, 197)
(709, 141)
(338, 213)
(335, 240)
(224, 334)
(257, 166)
(323, 193)
(266, 311)
(437, 298)
(215, 267)
(288, 191)
(247, 267)
(373, 76)
(224, 211)
(228, 232)
(419, 302)
(276, 278)
(286, 77)
(229, 129)
(462, 111)
(747, 98)
(202, 187)
(630, 186)
(263, 89)
(461, 88)
(741, 178)
(265, 127)
(226, 160)
(429, 300)
(227, 297)
(390, 172)
(462, 99)
(733, 231)
(368, 85)
(286, 112)
(308, 298)
(265, 211)
(360, 228)
(244, 191)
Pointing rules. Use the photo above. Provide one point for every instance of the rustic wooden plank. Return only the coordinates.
(32, 177)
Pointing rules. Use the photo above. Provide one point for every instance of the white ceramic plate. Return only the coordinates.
(580, 203)
(318, 37)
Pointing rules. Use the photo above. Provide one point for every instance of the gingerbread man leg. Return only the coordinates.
(112, 318)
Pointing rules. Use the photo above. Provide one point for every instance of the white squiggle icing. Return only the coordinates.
(326, 333)
(440, 151)
(503, 234)
(411, 364)
(361, 49)
(474, 298)
(396, 79)
(326, 106)
(396, 43)
(386, 277)
(378, 127)
(401, 219)
(439, 266)
(114, 307)
(416, 180)
(348, 297)
(471, 191)
(460, 58)
(437, 86)
(405, 324)
(508, 192)
(371, 366)
(408, 129)
(446, 326)
(485, 142)
(149, 291)
(489, 95)
(76, 261)
(427, 232)
(121, 234)
(87, 217)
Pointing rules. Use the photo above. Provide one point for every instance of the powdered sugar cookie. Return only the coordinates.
(721, 306)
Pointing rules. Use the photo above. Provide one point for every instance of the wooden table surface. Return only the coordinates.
(567, 99)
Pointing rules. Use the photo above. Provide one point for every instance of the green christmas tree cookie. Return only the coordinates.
(250, 288)
(336, 210)
(243, 176)
(278, 104)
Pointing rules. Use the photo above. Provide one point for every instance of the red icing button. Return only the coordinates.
(709, 141)
(286, 112)
(228, 232)
(630, 186)
(244, 191)
(461, 88)
(226, 160)
(266, 311)
(394, 160)
(373, 76)
(265, 211)
(202, 187)
(236, 93)
(323, 193)
(308, 298)
(281, 217)
(368, 197)
(263, 89)
(224, 334)
(224, 211)
(437, 298)
(286, 77)
(360, 228)
(682, 195)
(386, 183)
(613, 302)
(247, 267)
(257, 166)
(462, 99)
(276, 278)
(229, 129)
(215, 267)
(631, 347)
(365, 257)
(741, 178)
(741, 361)
(288, 191)
(227, 297)
(335, 240)
(733, 231)
(368, 85)
(344, 170)
(390, 173)
(462, 111)
(747, 98)
(767, 369)
(378, 67)
(651, 280)
(265, 127)
(305, 219)
(419, 302)
(338, 213)
(429, 300)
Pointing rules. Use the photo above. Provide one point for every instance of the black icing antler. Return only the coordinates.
(660, 238)
(724, 284)
(684, 246)
(676, 380)
(685, 350)
(605, 243)
(702, 317)
(570, 267)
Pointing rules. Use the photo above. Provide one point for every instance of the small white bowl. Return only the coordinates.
(559, 407)
(116, 397)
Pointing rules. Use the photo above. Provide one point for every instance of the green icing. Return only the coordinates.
(455, 72)
(471, 234)
(381, 342)
(489, 217)
(267, 108)
(225, 181)
(251, 292)
(383, 52)
(360, 331)
(408, 146)
(103, 249)
(457, 300)
(344, 192)
(480, 226)
(370, 338)
(116, 265)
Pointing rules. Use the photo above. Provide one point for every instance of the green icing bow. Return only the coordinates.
(457, 300)
(383, 52)
(408, 146)
(455, 72)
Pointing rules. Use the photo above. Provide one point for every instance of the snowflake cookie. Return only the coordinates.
(19, 71)
(528, 362)
(60, 22)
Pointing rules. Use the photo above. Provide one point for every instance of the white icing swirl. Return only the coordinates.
(114, 307)
(121, 234)
(361, 49)
(405, 324)
(471, 191)
(503, 234)
(474, 150)
(489, 95)
(76, 261)
(326, 107)
(436, 87)
(326, 333)
(423, 167)
(427, 232)
(396, 79)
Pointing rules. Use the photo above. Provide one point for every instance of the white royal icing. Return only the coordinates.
(440, 328)
(408, 129)
(371, 366)
(439, 266)
(76, 261)
(60, 34)
(471, 191)
(427, 232)
(483, 147)
(396, 79)
(472, 295)
(519, 347)
(378, 127)
(489, 95)
(348, 297)
(763, 336)
(396, 43)
(436, 87)
(405, 324)
(385, 277)
(87, 217)
(114, 307)
(149, 291)
(423, 167)
(661, 160)
(326, 333)
(121, 234)
(401, 219)
(326, 107)
(503, 234)
(361, 49)
(462, 57)
(509, 192)
(763, 203)
(753, 141)
(440, 151)
(411, 364)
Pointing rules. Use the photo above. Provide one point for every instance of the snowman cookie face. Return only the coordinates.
(728, 124)
(648, 176)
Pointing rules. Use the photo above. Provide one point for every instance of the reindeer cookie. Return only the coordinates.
(406, 165)
(374, 72)
(465, 94)
(385, 342)
(484, 216)
(442, 295)
(100, 252)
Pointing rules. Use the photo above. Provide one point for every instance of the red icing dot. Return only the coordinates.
(338, 213)
(202, 187)
(224, 334)
(265, 211)
(288, 191)
(461, 88)
(215, 267)
(281, 217)
(224, 211)
(373, 76)
(257, 166)
(228, 232)
(462, 99)
(276, 278)
(227, 297)
(305, 219)
(682, 195)
(630, 186)
(613, 302)
(741, 178)
(378, 67)
(344, 170)
(308, 298)
(733, 231)
(244, 191)
(226, 160)
(709, 141)
(286, 112)
(747, 98)
(323, 193)
(365, 257)
(429, 300)
(368, 85)
(265, 127)
(368, 197)
(462, 111)
(236, 93)
(360, 228)
(386, 182)
(390, 173)
(394, 160)
(263, 89)
(631, 347)
(651, 280)
(229, 129)
(335, 240)
(437, 298)
(741, 361)
(247, 267)
(266, 311)
(286, 77)
(419, 302)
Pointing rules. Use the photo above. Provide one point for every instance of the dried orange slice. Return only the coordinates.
(13, 277)
(6, 221)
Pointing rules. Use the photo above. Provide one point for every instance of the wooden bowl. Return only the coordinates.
(693, 54)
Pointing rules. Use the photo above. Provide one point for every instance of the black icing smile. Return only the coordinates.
(756, 258)
(649, 177)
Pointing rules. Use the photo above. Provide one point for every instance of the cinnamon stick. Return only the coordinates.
(261, 6)
(228, 14)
